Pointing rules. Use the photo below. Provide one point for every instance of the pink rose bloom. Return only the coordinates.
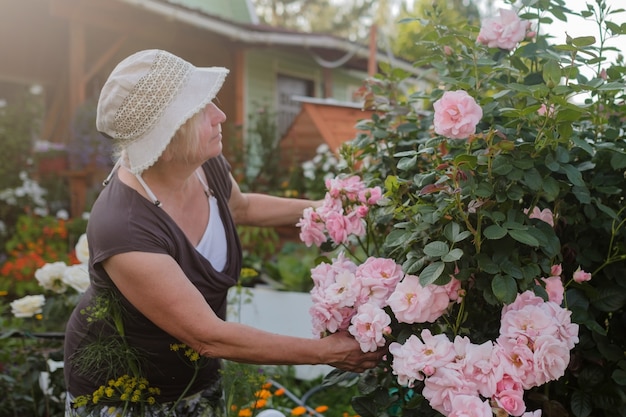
(556, 270)
(544, 215)
(369, 326)
(504, 32)
(348, 187)
(454, 290)
(338, 227)
(354, 224)
(370, 195)
(456, 115)
(554, 287)
(470, 406)
(444, 386)
(520, 360)
(378, 278)
(412, 303)
(511, 401)
(417, 357)
(567, 332)
(311, 228)
(551, 358)
(326, 319)
(481, 366)
(543, 110)
(581, 276)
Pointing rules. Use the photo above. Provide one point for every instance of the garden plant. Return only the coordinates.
(482, 224)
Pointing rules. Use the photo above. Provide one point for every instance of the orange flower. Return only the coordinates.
(279, 392)
(245, 412)
(264, 394)
(259, 403)
(321, 408)
(298, 411)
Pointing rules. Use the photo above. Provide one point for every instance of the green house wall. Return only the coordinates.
(263, 66)
(234, 10)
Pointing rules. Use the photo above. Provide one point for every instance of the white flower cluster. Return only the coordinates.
(56, 277)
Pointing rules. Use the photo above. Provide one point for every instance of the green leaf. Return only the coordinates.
(436, 249)
(551, 188)
(431, 273)
(584, 41)
(614, 86)
(504, 288)
(581, 403)
(405, 164)
(454, 255)
(552, 73)
(523, 236)
(609, 299)
(573, 174)
(494, 232)
(533, 179)
(619, 376)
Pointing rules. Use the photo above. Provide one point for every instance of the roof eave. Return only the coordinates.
(250, 36)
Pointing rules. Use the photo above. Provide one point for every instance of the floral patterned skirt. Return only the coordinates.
(206, 403)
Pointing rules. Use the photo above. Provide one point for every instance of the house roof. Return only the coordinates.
(328, 50)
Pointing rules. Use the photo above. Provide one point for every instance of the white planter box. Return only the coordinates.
(281, 312)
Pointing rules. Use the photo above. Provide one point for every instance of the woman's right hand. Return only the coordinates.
(347, 355)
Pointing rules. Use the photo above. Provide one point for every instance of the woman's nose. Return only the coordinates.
(216, 114)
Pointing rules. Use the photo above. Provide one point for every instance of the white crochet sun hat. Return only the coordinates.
(147, 97)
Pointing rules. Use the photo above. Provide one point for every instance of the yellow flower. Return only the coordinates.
(151, 400)
(298, 411)
(4, 293)
(109, 392)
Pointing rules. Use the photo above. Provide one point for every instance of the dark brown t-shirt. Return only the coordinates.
(122, 221)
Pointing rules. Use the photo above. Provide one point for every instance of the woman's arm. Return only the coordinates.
(158, 288)
(254, 209)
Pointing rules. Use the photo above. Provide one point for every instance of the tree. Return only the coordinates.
(346, 19)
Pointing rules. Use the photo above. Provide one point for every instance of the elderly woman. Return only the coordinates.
(147, 336)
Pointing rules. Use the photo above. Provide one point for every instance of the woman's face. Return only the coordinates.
(210, 131)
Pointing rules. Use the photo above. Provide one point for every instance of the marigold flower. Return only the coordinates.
(245, 412)
(298, 411)
(321, 408)
(279, 392)
(260, 403)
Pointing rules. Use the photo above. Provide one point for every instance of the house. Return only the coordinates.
(68, 47)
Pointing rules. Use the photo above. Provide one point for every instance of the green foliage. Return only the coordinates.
(19, 124)
(551, 136)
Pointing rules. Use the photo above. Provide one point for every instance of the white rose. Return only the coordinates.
(82, 249)
(50, 277)
(77, 277)
(28, 306)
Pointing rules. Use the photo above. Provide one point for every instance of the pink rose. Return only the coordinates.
(512, 401)
(456, 115)
(554, 287)
(412, 303)
(581, 276)
(544, 215)
(543, 110)
(369, 326)
(503, 32)
(311, 228)
(470, 406)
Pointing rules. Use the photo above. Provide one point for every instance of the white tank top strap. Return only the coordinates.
(148, 191)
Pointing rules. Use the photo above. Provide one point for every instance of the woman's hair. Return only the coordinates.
(186, 139)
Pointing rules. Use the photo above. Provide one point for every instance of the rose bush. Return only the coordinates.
(490, 257)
